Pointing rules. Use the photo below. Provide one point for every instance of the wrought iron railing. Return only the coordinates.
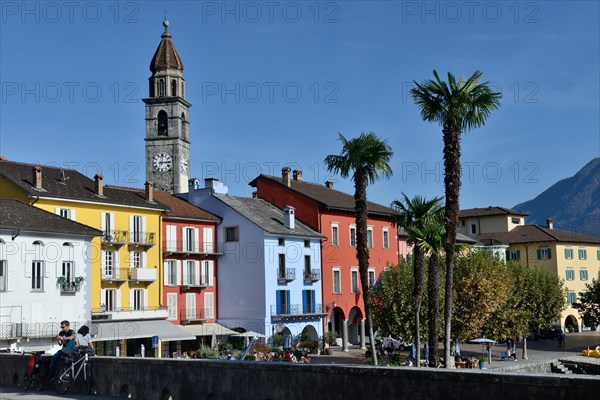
(296, 309)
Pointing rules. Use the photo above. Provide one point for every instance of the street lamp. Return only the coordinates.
(333, 305)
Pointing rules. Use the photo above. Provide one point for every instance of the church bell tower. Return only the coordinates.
(167, 120)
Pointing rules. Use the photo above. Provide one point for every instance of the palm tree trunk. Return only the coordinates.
(362, 250)
(419, 277)
(434, 306)
(452, 174)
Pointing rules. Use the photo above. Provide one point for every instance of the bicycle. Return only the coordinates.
(72, 365)
(36, 371)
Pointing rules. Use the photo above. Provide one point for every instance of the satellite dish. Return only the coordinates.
(280, 327)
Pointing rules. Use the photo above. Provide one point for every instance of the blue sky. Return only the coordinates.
(272, 83)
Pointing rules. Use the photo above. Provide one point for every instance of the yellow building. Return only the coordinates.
(126, 261)
(573, 257)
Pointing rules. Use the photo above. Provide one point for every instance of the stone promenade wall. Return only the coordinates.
(150, 378)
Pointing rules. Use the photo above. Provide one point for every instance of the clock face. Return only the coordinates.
(183, 165)
(162, 162)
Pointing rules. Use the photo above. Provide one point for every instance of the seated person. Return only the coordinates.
(65, 338)
(83, 340)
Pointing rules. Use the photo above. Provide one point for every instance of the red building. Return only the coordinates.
(190, 261)
(331, 213)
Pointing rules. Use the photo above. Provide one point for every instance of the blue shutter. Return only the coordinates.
(278, 301)
(287, 301)
(313, 308)
(304, 302)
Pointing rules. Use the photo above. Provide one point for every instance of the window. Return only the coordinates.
(516, 220)
(173, 88)
(171, 237)
(582, 254)
(107, 226)
(190, 277)
(109, 263)
(308, 302)
(570, 274)
(138, 299)
(544, 254)
(281, 241)
(281, 269)
(189, 239)
(190, 306)
(371, 278)
(307, 243)
(334, 235)
(110, 300)
(37, 275)
(208, 240)
(207, 273)
(462, 222)
(171, 279)
(172, 306)
(283, 302)
(137, 229)
(337, 281)
(352, 235)
(571, 298)
(370, 238)
(231, 234)
(65, 213)
(209, 305)
(583, 274)
(386, 239)
(473, 228)
(568, 253)
(3, 276)
(68, 271)
(136, 260)
(354, 281)
(513, 255)
(161, 88)
(307, 265)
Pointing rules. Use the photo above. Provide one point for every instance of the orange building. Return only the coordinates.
(331, 213)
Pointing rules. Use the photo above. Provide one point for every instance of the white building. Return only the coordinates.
(45, 270)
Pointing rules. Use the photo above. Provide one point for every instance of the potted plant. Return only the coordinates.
(331, 340)
(481, 361)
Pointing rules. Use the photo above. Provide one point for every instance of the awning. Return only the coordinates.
(118, 330)
(208, 329)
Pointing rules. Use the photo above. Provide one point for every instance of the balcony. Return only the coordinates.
(142, 239)
(125, 313)
(297, 311)
(142, 274)
(194, 281)
(204, 248)
(188, 315)
(117, 275)
(287, 275)
(115, 238)
(313, 275)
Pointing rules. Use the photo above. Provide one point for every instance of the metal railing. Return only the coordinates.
(195, 314)
(296, 309)
(33, 330)
(140, 238)
(174, 246)
(115, 274)
(312, 275)
(195, 280)
(288, 275)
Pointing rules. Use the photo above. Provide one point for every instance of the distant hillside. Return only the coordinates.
(573, 203)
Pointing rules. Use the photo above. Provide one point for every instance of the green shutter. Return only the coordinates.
(549, 254)
(539, 254)
(518, 255)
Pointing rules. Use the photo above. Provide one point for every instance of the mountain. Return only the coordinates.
(573, 203)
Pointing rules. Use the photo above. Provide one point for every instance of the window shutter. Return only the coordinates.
(208, 240)
(103, 261)
(131, 259)
(145, 294)
(118, 300)
(117, 263)
(131, 228)
(539, 254)
(145, 260)
(73, 215)
(211, 272)
(143, 227)
(549, 254)
(166, 272)
(131, 297)
(313, 306)
(57, 211)
(278, 302)
(103, 298)
(304, 302)
(170, 237)
(196, 239)
(184, 238)
(567, 254)
(178, 270)
(288, 305)
(518, 255)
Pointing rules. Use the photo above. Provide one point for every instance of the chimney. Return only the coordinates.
(37, 177)
(216, 186)
(289, 220)
(149, 191)
(329, 184)
(254, 195)
(285, 176)
(297, 174)
(99, 187)
(550, 223)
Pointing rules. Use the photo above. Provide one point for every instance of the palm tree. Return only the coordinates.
(415, 214)
(458, 107)
(431, 241)
(367, 158)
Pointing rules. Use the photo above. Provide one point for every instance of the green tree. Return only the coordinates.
(458, 106)
(589, 306)
(415, 215)
(367, 157)
(431, 241)
(480, 289)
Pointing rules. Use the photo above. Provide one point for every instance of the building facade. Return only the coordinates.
(331, 213)
(45, 276)
(270, 267)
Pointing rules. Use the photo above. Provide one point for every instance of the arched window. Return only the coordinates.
(37, 267)
(163, 123)
(182, 89)
(161, 87)
(68, 266)
(173, 87)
